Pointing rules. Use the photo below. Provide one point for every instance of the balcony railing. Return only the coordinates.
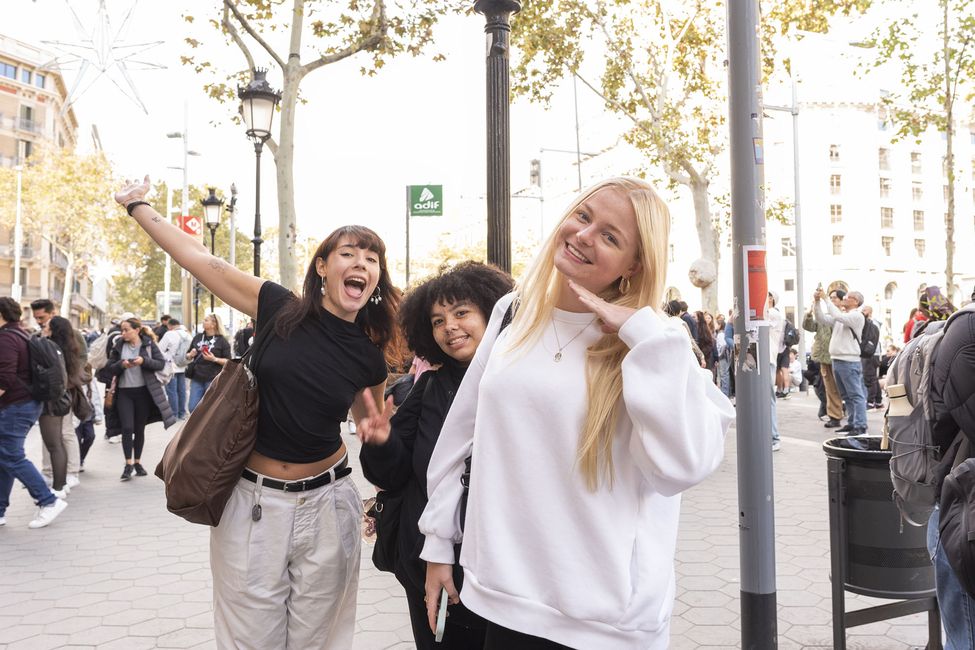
(12, 123)
(7, 251)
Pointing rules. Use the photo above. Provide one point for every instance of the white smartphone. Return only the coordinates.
(441, 616)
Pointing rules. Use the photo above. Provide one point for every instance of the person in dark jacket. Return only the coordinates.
(18, 413)
(209, 351)
(443, 319)
(243, 339)
(953, 400)
(140, 398)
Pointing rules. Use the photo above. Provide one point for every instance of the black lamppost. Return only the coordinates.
(212, 206)
(258, 101)
(498, 30)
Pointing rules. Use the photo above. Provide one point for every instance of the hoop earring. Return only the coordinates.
(624, 285)
(376, 297)
(323, 285)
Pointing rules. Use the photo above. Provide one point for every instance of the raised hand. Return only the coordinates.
(374, 428)
(133, 191)
(611, 317)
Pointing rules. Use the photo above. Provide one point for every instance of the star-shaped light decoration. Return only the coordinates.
(105, 52)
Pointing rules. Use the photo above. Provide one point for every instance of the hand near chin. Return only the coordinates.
(374, 428)
(611, 317)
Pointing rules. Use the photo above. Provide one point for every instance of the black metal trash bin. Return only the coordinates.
(870, 553)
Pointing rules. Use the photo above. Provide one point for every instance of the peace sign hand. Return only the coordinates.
(374, 428)
(611, 317)
(133, 191)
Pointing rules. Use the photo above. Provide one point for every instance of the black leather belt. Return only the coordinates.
(340, 470)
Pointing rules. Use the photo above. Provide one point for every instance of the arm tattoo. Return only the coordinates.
(156, 219)
(218, 265)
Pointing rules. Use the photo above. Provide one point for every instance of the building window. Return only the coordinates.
(28, 149)
(25, 75)
(889, 290)
(7, 70)
(917, 191)
(886, 217)
(835, 184)
(790, 285)
(788, 248)
(837, 244)
(884, 187)
(919, 247)
(834, 153)
(919, 220)
(884, 159)
(887, 243)
(39, 80)
(835, 213)
(915, 162)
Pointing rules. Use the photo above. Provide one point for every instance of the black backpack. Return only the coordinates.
(869, 339)
(48, 377)
(957, 521)
(790, 335)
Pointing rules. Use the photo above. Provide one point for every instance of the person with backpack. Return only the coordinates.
(19, 410)
(844, 350)
(952, 395)
(790, 337)
(870, 359)
(52, 419)
(444, 320)
(586, 418)
(175, 344)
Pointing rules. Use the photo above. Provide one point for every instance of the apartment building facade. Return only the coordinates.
(32, 112)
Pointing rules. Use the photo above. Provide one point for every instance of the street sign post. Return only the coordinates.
(421, 201)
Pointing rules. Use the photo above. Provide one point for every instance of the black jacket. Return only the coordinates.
(953, 383)
(204, 370)
(402, 462)
(152, 361)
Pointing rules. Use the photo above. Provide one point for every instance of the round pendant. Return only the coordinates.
(557, 357)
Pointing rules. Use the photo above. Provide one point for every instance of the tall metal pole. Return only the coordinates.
(797, 212)
(232, 209)
(753, 369)
(187, 281)
(258, 145)
(498, 30)
(213, 251)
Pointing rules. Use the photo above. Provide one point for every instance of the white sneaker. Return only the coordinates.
(47, 514)
(776, 445)
(61, 494)
(3, 521)
(114, 440)
(72, 481)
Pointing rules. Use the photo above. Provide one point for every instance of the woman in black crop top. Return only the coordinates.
(285, 556)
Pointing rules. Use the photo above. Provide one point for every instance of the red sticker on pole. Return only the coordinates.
(756, 286)
(191, 225)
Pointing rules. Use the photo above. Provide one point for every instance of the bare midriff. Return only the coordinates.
(292, 471)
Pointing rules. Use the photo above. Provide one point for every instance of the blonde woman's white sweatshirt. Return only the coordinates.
(543, 554)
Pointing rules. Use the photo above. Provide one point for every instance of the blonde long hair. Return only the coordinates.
(538, 294)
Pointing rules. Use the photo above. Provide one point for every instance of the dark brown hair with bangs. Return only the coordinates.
(377, 321)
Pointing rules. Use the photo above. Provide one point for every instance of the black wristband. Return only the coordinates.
(132, 206)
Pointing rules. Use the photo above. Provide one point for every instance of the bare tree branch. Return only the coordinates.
(252, 32)
(234, 34)
(369, 42)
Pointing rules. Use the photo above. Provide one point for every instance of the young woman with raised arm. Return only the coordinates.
(585, 419)
(285, 556)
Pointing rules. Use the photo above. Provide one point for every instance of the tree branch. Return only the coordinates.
(234, 34)
(253, 34)
(369, 42)
(272, 146)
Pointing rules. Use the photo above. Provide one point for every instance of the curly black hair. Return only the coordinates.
(480, 284)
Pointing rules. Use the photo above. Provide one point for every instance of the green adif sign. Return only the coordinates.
(426, 201)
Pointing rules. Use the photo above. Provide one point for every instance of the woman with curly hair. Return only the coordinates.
(285, 556)
(444, 320)
(585, 419)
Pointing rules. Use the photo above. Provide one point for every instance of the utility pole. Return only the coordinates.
(498, 30)
(753, 380)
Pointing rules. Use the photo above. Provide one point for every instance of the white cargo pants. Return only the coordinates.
(288, 580)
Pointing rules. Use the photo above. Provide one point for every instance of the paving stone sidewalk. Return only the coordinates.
(117, 571)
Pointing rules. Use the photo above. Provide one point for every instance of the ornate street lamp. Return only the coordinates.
(212, 207)
(258, 103)
(498, 31)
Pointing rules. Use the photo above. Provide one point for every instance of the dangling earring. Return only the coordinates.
(323, 285)
(376, 297)
(624, 285)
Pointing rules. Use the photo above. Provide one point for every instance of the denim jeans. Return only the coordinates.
(15, 422)
(176, 393)
(771, 392)
(724, 376)
(849, 379)
(197, 388)
(957, 607)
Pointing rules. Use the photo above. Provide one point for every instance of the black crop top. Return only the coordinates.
(307, 382)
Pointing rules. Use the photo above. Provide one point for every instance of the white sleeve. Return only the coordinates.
(822, 318)
(852, 319)
(440, 521)
(166, 346)
(679, 416)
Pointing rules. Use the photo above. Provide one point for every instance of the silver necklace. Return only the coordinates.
(558, 354)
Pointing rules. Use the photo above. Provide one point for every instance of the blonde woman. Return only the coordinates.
(586, 417)
(209, 352)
